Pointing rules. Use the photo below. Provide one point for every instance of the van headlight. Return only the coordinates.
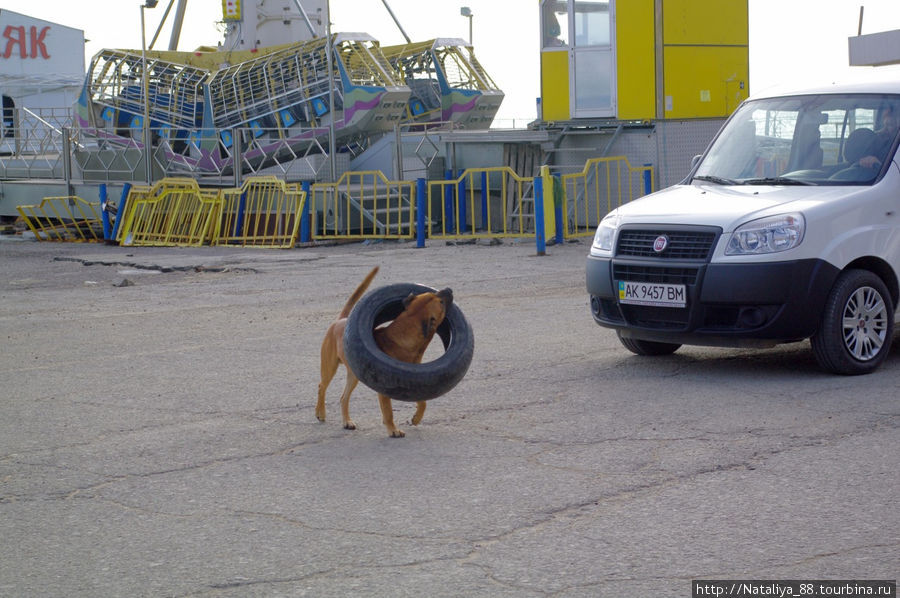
(606, 233)
(767, 235)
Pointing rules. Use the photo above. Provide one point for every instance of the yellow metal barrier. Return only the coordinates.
(173, 212)
(603, 185)
(481, 202)
(63, 219)
(363, 205)
(264, 212)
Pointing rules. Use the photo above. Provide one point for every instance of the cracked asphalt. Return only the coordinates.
(158, 438)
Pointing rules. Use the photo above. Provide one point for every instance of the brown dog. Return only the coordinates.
(405, 339)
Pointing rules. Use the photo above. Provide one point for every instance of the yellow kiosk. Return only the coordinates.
(643, 59)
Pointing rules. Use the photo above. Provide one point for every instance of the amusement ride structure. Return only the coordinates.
(274, 91)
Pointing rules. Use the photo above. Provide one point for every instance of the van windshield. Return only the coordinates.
(827, 139)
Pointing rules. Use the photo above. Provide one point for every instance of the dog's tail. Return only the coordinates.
(358, 293)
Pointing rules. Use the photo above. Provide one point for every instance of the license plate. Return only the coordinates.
(646, 293)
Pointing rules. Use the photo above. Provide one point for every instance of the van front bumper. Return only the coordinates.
(756, 304)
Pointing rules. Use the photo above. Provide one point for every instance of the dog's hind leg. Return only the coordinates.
(420, 413)
(328, 368)
(352, 381)
(387, 416)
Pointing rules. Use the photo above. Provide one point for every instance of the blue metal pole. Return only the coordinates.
(420, 212)
(448, 205)
(557, 207)
(239, 221)
(120, 210)
(540, 241)
(305, 237)
(648, 181)
(462, 199)
(104, 215)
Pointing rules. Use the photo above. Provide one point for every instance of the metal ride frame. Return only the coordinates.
(210, 117)
(447, 83)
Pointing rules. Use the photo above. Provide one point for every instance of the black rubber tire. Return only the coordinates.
(860, 349)
(647, 348)
(397, 379)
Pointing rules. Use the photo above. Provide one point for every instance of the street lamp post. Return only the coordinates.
(145, 93)
(467, 12)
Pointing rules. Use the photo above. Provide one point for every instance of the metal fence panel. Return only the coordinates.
(481, 202)
(363, 205)
(603, 185)
(174, 212)
(63, 219)
(264, 212)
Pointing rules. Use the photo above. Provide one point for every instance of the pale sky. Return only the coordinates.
(790, 40)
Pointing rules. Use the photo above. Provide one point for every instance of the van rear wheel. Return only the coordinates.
(857, 326)
(648, 348)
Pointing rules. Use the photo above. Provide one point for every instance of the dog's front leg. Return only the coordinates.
(387, 416)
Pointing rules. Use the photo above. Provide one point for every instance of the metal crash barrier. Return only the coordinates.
(264, 212)
(173, 212)
(63, 219)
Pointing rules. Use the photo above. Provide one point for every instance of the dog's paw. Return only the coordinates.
(398, 433)
(349, 426)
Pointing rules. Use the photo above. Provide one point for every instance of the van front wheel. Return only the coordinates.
(647, 348)
(857, 326)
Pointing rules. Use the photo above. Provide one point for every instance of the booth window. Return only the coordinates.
(592, 23)
(555, 24)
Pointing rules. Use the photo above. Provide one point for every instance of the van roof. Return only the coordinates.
(880, 86)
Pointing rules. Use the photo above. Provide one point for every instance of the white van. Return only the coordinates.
(787, 228)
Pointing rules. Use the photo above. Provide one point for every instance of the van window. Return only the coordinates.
(829, 139)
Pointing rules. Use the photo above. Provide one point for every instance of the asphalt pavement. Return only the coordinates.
(158, 438)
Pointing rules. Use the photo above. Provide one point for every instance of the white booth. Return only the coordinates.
(41, 75)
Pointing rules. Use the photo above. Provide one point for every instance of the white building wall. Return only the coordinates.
(38, 57)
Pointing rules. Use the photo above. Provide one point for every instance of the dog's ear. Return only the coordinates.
(446, 295)
(409, 299)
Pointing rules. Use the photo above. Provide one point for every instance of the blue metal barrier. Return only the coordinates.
(120, 210)
(305, 236)
(104, 215)
(539, 239)
(421, 211)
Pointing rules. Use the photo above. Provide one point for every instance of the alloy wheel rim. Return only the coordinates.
(864, 323)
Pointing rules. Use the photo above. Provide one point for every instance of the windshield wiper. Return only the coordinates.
(715, 179)
(778, 180)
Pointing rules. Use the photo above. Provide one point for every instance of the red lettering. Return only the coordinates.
(15, 36)
(37, 42)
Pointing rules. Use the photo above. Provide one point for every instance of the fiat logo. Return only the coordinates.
(660, 243)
